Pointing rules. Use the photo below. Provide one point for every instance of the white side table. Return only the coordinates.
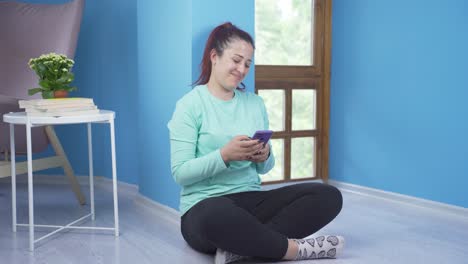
(20, 118)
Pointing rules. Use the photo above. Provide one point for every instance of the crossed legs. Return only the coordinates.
(259, 223)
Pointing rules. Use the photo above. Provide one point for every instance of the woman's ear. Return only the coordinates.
(213, 57)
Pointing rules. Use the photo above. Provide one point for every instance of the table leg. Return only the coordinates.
(13, 176)
(91, 171)
(114, 179)
(30, 187)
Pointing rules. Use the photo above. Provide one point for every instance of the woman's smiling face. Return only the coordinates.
(231, 67)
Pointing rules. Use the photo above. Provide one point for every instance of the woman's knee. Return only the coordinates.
(211, 213)
(334, 197)
(329, 195)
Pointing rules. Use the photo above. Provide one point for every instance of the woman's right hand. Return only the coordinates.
(240, 148)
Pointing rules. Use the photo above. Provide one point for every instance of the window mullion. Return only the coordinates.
(287, 158)
(288, 130)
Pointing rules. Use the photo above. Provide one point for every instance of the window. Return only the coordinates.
(292, 65)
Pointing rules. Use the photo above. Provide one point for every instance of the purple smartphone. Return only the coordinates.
(263, 135)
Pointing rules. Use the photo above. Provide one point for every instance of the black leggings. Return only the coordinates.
(258, 223)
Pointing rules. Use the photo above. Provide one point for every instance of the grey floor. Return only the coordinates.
(376, 231)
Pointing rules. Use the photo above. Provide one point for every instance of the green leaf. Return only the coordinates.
(45, 84)
(41, 69)
(34, 91)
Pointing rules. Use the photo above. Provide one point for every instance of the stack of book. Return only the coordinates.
(59, 106)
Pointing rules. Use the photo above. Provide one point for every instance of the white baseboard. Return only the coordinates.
(168, 213)
(438, 207)
(173, 215)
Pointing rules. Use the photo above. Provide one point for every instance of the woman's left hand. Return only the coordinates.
(261, 155)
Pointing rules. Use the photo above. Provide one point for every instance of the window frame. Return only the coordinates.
(317, 77)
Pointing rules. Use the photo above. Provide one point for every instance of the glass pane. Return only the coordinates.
(304, 106)
(277, 173)
(302, 157)
(283, 32)
(274, 103)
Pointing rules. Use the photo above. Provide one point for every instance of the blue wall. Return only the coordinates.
(398, 97)
(106, 70)
(164, 62)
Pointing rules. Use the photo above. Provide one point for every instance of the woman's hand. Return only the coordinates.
(262, 154)
(240, 148)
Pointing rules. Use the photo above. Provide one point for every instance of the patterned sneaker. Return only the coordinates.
(225, 257)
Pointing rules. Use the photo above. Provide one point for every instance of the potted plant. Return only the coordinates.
(55, 76)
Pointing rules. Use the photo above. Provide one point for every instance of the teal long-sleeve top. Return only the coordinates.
(200, 126)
